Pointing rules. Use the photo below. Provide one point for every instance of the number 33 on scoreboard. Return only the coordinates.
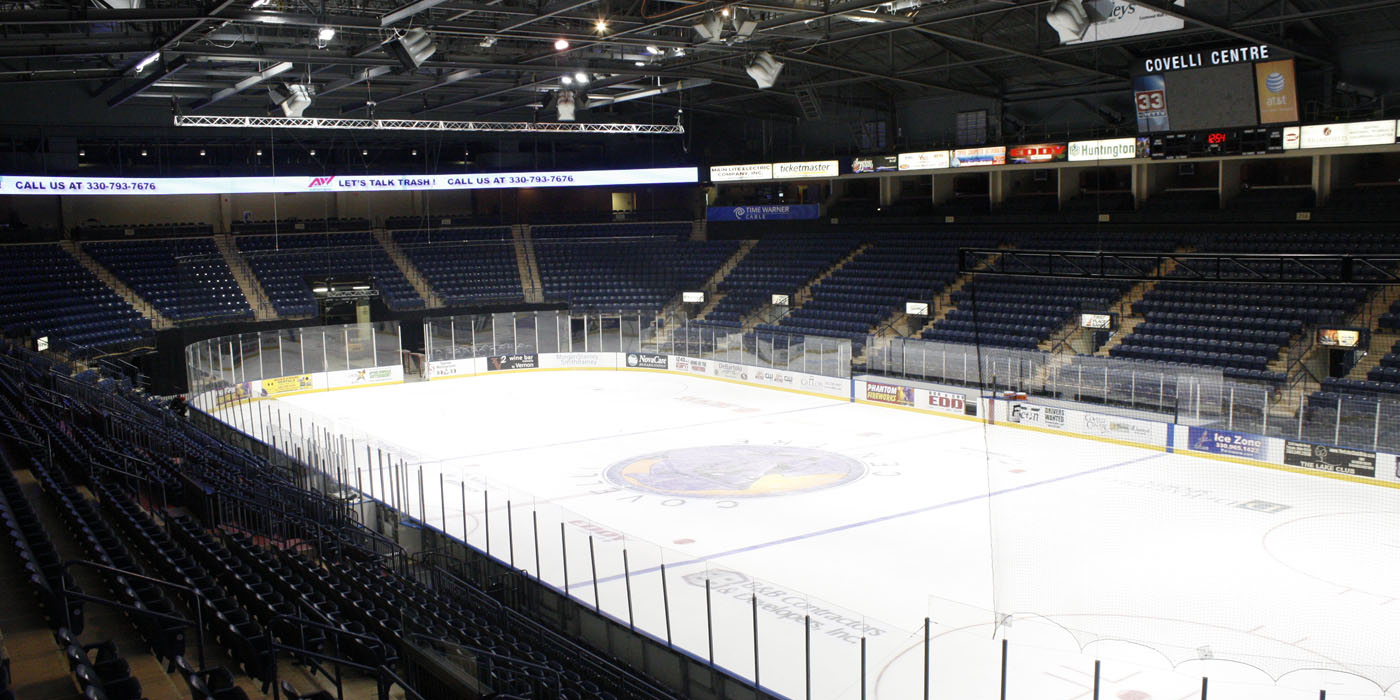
(1151, 100)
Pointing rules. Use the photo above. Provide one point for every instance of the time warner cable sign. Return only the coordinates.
(764, 212)
(46, 185)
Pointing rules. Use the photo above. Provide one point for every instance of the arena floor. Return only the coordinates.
(871, 519)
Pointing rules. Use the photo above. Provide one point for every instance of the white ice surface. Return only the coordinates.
(1142, 559)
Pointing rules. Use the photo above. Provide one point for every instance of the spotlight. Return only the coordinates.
(561, 44)
(710, 27)
(259, 153)
(298, 99)
(566, 80)
(364, 151)
(201, 153)
(82, 153)
(143, 153)
(415, 152)
(312, 152)
(564, 104)
(1068, 18)
(325, 34)
(413, 48)
(764, 70)
(724, 11)
(601, 25)
(581, 78)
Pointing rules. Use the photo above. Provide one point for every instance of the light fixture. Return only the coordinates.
(487, 42)
(764, 70)
(564, 104)
(360, 287)
(201, 153)
(143, 153)
(259, 153)
(415, 152)
(640, 64)
(581, 78)
(561, 44)
(148, 60)
(744, 25)
(1068, 18)
(297, 100)
(709, 27)
(325, 34)
(320, 290)
(413, 48)
(312, 152)
(566, 80)
(680, 51)
(364, 151)
(82, 153)
(601, 25)
(653, 51)
(260, 3)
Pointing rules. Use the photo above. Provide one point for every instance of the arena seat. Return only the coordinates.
(284, 263)
(630, 274)
(775, 266)
(45, 290)
(184, 278)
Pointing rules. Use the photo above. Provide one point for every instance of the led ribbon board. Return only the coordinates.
(46, 185)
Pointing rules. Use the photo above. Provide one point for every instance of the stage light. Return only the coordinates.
(561, 44)
(564, 104)
(298, 99)
(1068, 18)
(413, 48)
(325, 34)
(710, 27)
(764, 70)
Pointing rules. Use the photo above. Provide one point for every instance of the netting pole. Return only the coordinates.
(1302, 405)
(464, 512)
(1376, 433)
(1205, 685)
(862, 667)
(593, 564)
(627, 579)
(1337, 423)
(1265, 431)
(1097, 664)
(709, 624)
(753, 601)
(535, 526)
(510, 533)
(486, 515)
(442, 505)
(807, 642)
(666, 605)
(1230, 417)
(1004, 651)
(564, 552)
(1321, 695)
(926, 659)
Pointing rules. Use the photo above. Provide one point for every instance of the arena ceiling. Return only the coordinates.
(497, 59)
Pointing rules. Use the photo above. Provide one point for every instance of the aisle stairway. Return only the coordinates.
(158, 320)
(531, 284)
(252, 290)
(415, 278)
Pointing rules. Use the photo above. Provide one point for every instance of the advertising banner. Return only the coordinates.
(237, 393)
(690, 364)
(647, 360)
(1104, 149)
(874, 164)
(735, 173)
(889, 393)
(924, 160)
(1225, 442)
(1042, 416)
(274, 386)
(811, 168)
(947, 401)
(449, 368)
(567, 360)
(369, 376)
(763, 212)
(1150, 98)
(1277, 89)
(498, 363)
(970, 157)
(1338, 460)
(1037, 153)
(1119, 19)
(46, 185)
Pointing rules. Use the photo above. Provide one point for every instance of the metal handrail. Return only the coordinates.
(198, 599)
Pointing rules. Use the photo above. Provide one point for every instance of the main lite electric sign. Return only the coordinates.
(41, 185)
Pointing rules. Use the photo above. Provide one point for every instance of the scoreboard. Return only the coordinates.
(1226, 88)
(1215, 142)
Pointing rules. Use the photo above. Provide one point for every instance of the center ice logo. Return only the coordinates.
(735, 471)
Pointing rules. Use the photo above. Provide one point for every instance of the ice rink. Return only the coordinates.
(1165, 567)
